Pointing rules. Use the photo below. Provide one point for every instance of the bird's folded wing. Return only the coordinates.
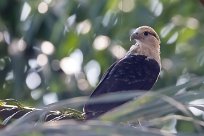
(133, 72)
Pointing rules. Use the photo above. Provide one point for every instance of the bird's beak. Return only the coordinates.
(134, 36)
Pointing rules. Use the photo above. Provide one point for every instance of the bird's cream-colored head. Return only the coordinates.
(147, 43)
(145, 34)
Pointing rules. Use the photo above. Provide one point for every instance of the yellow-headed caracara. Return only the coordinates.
(137, 70)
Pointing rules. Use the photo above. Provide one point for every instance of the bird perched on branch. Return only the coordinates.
(137, 70)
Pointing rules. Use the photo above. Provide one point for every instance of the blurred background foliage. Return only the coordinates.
(58, 49)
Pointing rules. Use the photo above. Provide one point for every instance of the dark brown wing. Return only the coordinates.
(133, 72)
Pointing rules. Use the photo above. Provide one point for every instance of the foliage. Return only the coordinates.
(53, 50)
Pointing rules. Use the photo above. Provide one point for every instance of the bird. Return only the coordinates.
(138, 70)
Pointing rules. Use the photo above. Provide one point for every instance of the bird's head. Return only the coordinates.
(145, 35)
(147, 43)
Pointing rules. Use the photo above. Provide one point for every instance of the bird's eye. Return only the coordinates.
(146, 33)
